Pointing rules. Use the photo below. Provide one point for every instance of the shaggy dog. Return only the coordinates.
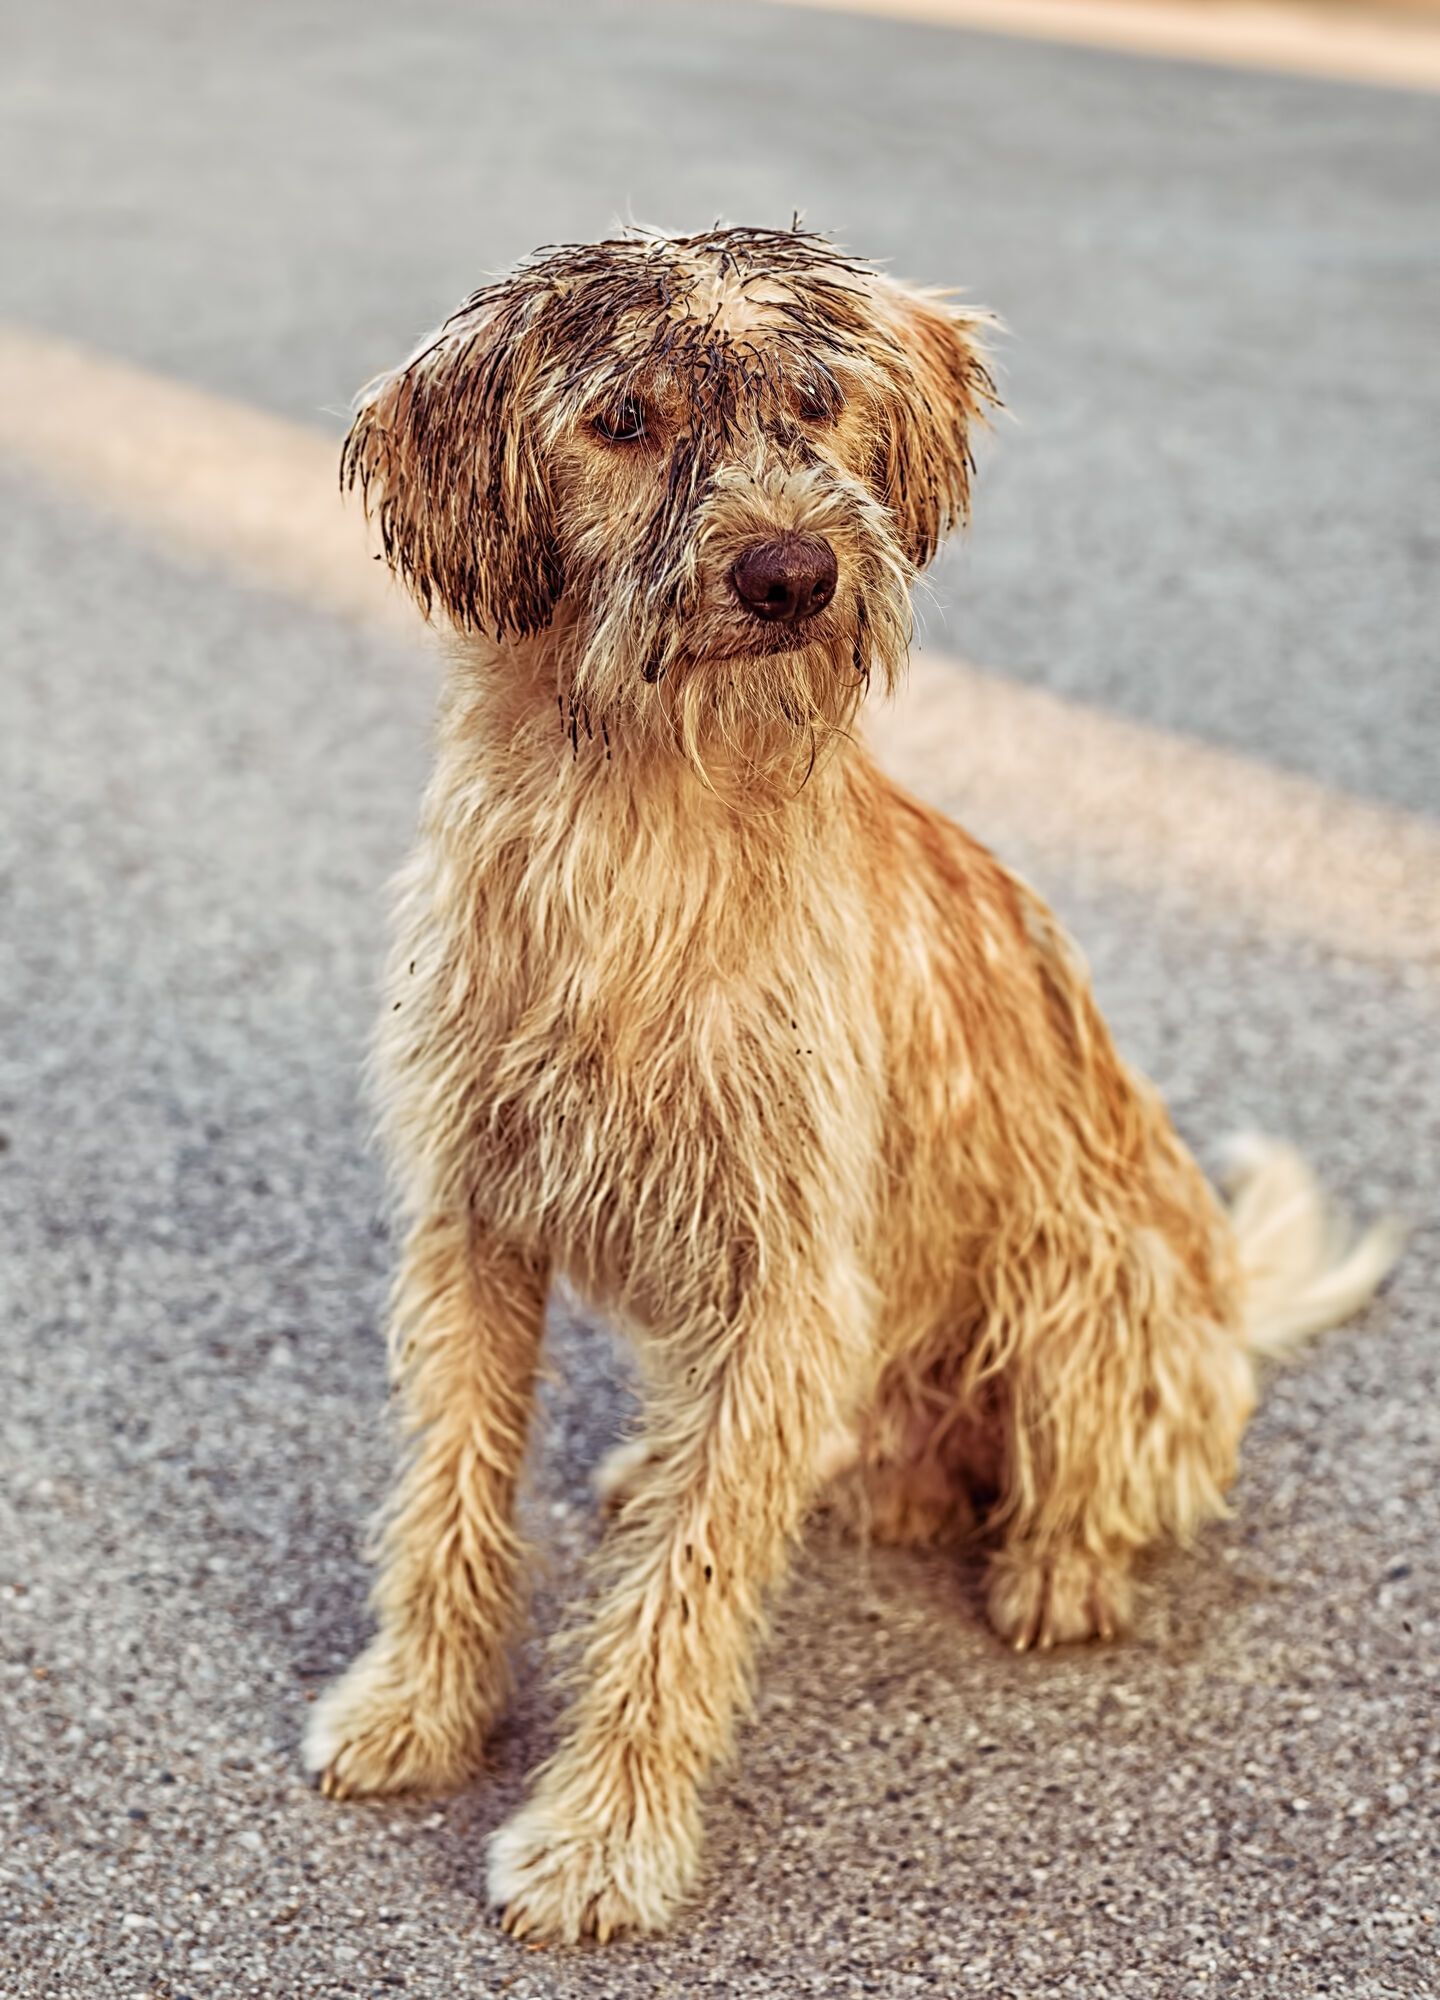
(696, 1010)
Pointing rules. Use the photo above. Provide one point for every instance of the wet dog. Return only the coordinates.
(693, 1008)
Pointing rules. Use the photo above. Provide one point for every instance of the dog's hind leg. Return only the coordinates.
(413, 1709)
(923, 1466)
(1126, 1386)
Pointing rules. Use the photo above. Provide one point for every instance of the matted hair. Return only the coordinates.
(766, 333)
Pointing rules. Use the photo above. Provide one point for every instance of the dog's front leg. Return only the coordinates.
(413, 1709)
(609, 1841)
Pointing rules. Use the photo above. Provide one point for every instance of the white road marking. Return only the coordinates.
(1370, 46)
(193, 471)
(1066, 785)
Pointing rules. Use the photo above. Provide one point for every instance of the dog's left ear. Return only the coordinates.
(446, 459)
(941, 390)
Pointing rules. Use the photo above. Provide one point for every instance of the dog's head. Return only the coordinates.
(709, 467)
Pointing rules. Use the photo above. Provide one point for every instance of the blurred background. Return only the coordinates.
(1183, 671)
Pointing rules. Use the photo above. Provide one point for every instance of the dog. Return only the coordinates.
(695, 1010)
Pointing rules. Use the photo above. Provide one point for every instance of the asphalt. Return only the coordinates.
(1214, 514)
(1215, 506)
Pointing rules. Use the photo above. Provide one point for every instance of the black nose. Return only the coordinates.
(786, 580)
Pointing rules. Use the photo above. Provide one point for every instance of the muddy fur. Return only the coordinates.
(694, 1009)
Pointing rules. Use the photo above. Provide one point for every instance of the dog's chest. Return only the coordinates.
(630, 1087)
(645, 1143)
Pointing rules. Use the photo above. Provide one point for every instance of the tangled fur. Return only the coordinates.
(694, 1009)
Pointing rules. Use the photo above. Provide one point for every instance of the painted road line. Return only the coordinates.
(1168, 816)
(1354, 46)
(193, 471)
(1145, 809)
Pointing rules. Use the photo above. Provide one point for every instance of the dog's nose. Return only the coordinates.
(786, 580)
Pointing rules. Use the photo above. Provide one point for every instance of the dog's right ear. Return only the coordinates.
(446, 460)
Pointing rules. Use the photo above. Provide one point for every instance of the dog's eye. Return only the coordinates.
(623, 423)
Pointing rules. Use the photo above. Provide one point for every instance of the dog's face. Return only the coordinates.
(709, 467)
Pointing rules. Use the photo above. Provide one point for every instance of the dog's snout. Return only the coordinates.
(787, 579)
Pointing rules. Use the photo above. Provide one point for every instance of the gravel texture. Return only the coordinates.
(205, 787)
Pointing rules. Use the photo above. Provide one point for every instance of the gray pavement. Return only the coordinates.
(1217, 513)
(1217, 505)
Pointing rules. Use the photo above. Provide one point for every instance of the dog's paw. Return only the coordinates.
(559, 1880)
(369, 1733)
(620, 1472)
(1056, 1598)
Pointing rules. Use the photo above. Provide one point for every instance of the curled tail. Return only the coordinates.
(1304, 1266)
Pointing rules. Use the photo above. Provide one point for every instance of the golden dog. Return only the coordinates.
(695, 1009)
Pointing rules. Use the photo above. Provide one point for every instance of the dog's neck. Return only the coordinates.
(536, 749)
(587, 863)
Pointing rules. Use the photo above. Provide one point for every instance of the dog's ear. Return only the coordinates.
(446, 458)
(940, 390)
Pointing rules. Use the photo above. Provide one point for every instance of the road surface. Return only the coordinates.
(1211, 524)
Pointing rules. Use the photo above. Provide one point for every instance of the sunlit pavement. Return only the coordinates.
(1209, 531)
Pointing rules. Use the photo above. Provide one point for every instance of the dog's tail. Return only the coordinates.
(1304, 1267)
